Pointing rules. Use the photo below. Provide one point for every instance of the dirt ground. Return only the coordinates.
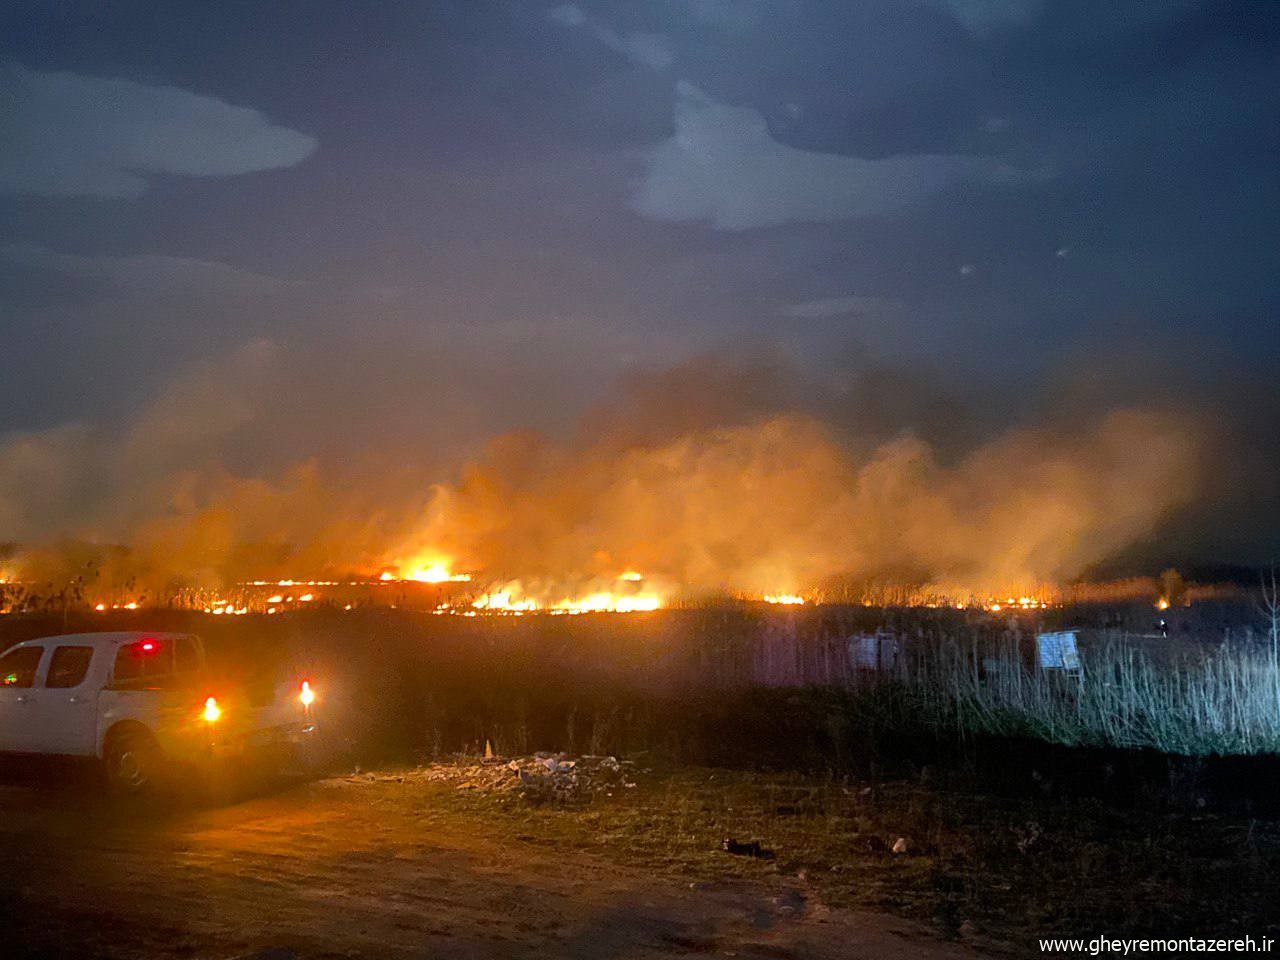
(386, 867)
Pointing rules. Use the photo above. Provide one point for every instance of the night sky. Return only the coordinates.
(350, 230)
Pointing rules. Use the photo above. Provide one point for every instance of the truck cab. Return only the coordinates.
(142, 703)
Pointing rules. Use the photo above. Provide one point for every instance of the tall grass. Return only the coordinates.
(601, 682)
(1225, 702)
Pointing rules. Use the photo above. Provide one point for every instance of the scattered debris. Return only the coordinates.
(873, 844)
(790, 902)
(1026, 837)
(541, 778)
(749, 849)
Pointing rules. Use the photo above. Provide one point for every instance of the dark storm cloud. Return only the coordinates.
(738, 15)
(153, 273)
(984, 16)
(652, 50)
(71, 134)
(518, 205)
(840, 306)
(723, 167)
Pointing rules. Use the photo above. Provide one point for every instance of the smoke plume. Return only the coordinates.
(782, 503)
(714, 478)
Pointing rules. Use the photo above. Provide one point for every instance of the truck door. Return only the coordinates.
(67, 714)
(19, 698)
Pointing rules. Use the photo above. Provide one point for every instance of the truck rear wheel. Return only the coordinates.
(134, 762)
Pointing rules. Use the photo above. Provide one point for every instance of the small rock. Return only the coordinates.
(750, 849)
(900, 845)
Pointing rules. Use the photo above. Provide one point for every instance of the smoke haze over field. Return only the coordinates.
(713, 477)
(783, 504)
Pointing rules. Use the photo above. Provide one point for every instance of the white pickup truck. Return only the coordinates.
(145, 704)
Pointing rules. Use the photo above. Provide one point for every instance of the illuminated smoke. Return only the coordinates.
(783, 505)
(715, 480)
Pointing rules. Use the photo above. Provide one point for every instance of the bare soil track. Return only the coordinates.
(336, 869)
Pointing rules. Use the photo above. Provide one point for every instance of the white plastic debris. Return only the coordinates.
(1058, 651)
(542, 777)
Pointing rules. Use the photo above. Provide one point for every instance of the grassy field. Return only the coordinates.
(996, 872)
(1138, 797)
(1222, 700)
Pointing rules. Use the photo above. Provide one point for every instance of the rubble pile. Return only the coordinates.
(540, 778)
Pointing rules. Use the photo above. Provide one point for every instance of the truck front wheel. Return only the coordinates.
(133, 761)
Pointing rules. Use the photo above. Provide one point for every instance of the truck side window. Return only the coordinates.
(185, 658)
(144, 659)
(68, 666)
(18, 667)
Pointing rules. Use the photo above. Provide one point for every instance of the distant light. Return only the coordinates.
(211, 710)
(147, 646)
(307, 696)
